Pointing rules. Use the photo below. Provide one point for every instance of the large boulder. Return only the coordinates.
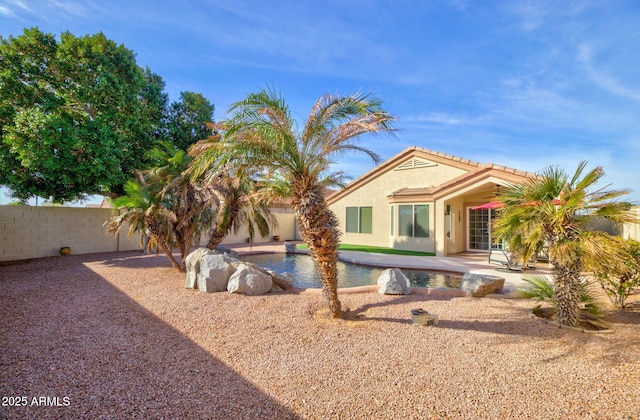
(249, 281)
(282, 280)
(214, 272)
(192, 263)
(392, 281)
(479, 285)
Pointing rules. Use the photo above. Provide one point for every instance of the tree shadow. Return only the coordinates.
(133, 259)
(357, 314)
(75, 335)
(519, 327)
(629, 315)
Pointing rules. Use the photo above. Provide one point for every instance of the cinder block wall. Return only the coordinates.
(34, 232)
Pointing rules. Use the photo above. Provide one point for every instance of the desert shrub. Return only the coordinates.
(621, 275)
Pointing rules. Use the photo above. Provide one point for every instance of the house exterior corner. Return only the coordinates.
(420, 200)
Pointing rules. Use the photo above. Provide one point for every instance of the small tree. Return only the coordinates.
(175, 210)
(142, 210)
(620, 276)
(242, 204)
(557, 209)
(193, 203)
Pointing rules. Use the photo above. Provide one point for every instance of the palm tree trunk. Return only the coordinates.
(169, 254)
(216, 237)
(567, 291)
(318, 228)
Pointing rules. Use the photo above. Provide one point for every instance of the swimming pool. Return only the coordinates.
(349, 275)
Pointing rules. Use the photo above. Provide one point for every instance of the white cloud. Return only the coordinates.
(605, 81)
(5, 11)
(437, 118)
(12, 8)
(49, 11)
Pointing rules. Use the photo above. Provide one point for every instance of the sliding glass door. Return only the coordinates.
(479, 229)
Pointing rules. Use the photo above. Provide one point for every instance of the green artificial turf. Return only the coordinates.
(378, 249)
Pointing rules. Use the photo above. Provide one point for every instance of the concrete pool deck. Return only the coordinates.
(474, 263)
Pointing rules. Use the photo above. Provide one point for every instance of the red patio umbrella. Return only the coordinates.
(500, 204)
(489, 205)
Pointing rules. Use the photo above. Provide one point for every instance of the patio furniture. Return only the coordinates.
(508, 259)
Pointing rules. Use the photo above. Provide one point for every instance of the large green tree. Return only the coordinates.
(188, 118)
(558, 210)
(76, 115)
(262, 134)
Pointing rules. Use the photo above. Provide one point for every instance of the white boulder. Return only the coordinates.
(479, 285)
(392, 281)
(192, 263)
(249, 281)
(214, 272)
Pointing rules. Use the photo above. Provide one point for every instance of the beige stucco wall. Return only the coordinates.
(34, 232)
(632, 230)
(455, 242)
(286, 229)
(374, 194)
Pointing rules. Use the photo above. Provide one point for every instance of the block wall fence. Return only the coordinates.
(28, 232)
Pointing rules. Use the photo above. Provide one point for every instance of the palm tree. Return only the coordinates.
(191, 201)
(242, 204)
(141, 209)
(262, 134)
(556, 210)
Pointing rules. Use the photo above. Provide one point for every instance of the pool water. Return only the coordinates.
(349, 275)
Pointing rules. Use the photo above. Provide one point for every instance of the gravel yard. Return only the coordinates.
(118, 336)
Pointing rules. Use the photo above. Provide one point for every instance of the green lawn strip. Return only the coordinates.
(377, 249)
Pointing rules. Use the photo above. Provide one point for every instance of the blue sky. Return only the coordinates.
(526, 84)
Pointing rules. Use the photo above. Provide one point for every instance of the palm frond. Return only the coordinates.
(536, 287)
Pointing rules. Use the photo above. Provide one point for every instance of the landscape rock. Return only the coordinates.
(392, 281)
(192, 263)
(214, 272)
(479, 285)
(275, 288)
(284, 280)
(249, 281)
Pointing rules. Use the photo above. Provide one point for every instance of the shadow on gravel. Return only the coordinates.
(629, 315)
(134, 259)
(358, 314)
(68, 334)
(524, 327)
(510, 327)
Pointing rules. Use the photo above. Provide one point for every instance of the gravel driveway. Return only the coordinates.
(118, 336)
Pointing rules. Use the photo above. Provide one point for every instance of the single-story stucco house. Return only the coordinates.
(422, 200)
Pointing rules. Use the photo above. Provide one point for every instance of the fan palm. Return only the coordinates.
(557, 210)
(262, 134)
